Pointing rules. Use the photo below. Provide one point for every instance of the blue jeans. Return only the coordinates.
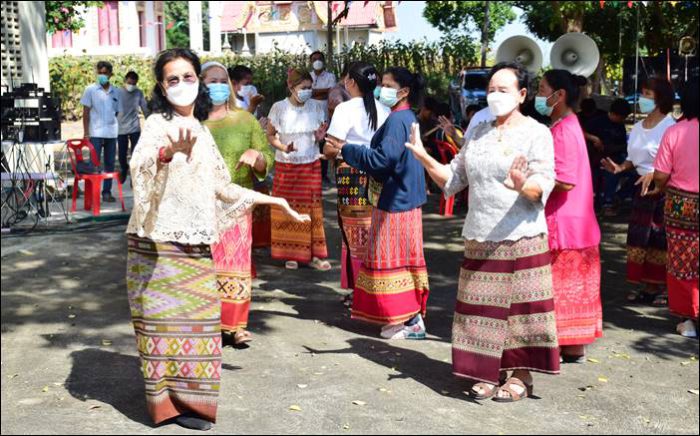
(109, 146)
(124, 149)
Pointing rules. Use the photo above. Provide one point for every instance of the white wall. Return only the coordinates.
(297, 42)
(87, 40)
(32, 27)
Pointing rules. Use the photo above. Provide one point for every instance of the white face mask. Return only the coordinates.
(129, 87)
(247, 90)
(303, 95)
(501, 103)
(318, 65)
(183, 94)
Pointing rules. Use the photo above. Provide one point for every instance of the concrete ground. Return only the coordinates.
(69, 362)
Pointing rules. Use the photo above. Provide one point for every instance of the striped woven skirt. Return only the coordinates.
(300, 185)
(234, 274)
(683, 247)
(355, 217)
(504, 319)
(176, 314)
(392, 286)
(576, 281)
(646, 240)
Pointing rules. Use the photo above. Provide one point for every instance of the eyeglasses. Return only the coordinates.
(175, 80)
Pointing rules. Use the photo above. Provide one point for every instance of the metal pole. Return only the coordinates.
(329, 33)
(636, 67)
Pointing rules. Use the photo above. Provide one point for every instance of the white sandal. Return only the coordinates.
(291, 264)
(320, 265)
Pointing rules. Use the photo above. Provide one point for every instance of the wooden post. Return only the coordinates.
(329, 33)
(485, 33)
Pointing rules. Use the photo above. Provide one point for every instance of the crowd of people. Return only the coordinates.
(534, 168)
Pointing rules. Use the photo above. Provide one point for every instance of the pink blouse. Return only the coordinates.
(570, 215)
(678, 155)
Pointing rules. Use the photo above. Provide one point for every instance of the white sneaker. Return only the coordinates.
(687, 329)
(401, 331)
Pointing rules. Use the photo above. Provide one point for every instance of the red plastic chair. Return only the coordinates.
(447, 153)
(93, 182)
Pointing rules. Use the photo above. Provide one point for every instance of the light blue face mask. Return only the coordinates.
(304, 95)
(377, 90)
(219, 92)
(541, 105)
(102, 79)
(388, 96)
(646, 105)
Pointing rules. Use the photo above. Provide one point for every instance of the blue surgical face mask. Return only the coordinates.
(219, 92)
(102, 79)
(304, 95)
(646, 105)
(541, 105)
(377, 90)
(388, 96)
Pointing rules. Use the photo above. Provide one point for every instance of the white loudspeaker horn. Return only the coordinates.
(522, 50)
(575, 52)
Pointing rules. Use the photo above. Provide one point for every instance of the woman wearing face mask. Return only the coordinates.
(243, 145)
(646, 237)
(505, 309)
(296, 125)
(392, 287)
(574, 235)
(183, 201)
(355, 121)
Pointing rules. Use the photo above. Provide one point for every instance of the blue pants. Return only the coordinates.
(124, 150)
(109, 146)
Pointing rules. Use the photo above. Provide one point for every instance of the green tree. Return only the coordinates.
(65, 15)
(459, 19)
(177, 21)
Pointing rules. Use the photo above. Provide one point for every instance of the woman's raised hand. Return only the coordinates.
(447, 126)
(518, 174)
(183, 144)
(415, 144)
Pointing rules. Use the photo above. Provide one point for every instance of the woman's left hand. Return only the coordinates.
(518, 174)
(320, 133)
(296, 216)
(646, 181)
(250, 157)
(335, 142)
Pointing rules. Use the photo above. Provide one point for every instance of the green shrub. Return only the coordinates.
(70, 74)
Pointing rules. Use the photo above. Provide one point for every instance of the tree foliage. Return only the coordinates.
(468, 16)
(66, 15)
(177, 19)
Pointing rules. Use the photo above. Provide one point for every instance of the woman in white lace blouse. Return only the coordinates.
(504, 320)
(183, 201)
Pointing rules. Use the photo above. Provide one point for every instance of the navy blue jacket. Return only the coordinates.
(388, 161)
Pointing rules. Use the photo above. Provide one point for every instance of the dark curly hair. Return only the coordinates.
(159, 102)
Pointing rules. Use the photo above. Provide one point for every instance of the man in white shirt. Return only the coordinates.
(322, 83)
(100, 108)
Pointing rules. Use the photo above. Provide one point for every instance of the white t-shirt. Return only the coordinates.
(325, 80)
(644, 144)
(297, 124)
(351, 123)
(484, 115)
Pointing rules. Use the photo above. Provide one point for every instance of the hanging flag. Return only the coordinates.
(629, 4)
(170, 25)
(673, 4)
(602, 4)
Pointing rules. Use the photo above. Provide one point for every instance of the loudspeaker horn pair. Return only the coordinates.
(574, 52)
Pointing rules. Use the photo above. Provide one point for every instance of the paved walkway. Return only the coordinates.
(69, 360)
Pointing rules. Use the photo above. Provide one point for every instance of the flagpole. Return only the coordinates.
(636, 68)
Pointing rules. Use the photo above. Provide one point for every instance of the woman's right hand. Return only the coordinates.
(183, 144)
(447, 126)
(415, 144)
(610, 166)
